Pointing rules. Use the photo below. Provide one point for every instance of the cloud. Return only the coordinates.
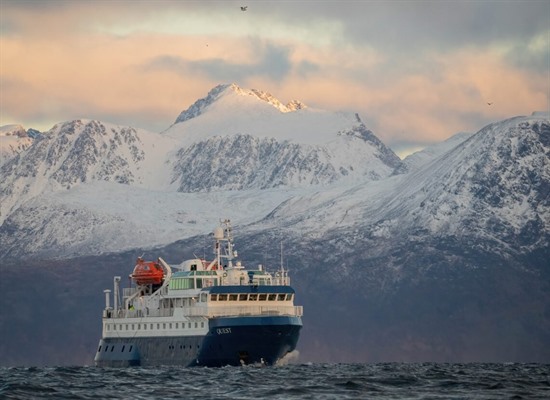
(264, 60)
(415, 71)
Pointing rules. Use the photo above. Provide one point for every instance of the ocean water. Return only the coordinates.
(298, 381)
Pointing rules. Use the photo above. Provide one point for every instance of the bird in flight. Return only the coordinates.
(490, 103)
(244, 8)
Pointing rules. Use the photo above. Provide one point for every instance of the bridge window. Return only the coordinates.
(243, 297)
(272, 297)
(222, 297)
(214, 297)
(233, 297)
(253, 297)
(281, 297)
(262, 297)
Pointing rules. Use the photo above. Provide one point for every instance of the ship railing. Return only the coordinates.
(218, 311)
(164, 312)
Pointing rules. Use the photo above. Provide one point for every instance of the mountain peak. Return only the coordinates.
(232, 89)
(13, 130)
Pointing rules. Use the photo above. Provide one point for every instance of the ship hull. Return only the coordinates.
(249, 340)
(229, 341)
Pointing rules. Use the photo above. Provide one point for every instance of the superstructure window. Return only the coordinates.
(253, 297)
(272, 297)
(214, 297)
(281, 297)
(243, 297)
(233, 297)
(222, 297)
(262, 297)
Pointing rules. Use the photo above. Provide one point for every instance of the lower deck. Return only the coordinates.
(228, 341)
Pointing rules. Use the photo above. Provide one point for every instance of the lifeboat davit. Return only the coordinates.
(147, 272)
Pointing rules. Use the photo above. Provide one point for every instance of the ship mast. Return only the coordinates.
(223, 248)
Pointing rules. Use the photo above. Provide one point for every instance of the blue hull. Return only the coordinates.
(249, 340)
(229, 341)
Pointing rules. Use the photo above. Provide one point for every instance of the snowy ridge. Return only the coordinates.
(245, 162)
(420, 158)
(493, 186)
(79, 152)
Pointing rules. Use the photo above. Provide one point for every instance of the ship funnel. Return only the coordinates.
(107, 300)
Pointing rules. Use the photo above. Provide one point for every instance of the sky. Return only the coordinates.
(416, 72)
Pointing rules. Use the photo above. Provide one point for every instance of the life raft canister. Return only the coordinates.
(147, 272)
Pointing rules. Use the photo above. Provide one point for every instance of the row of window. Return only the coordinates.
(252, 297)
(171, 347)
(113, 349)
(165, 325)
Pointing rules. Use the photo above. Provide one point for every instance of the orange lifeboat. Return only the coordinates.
(147, 272)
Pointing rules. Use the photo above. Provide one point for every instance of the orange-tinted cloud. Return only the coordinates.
(140, 64)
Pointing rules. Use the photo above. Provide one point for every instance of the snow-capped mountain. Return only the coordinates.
(494, 186)
(230, 143)
(267, 165)
(81, 152)
(237, 139)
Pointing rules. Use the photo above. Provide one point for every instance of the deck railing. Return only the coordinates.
(217, 311)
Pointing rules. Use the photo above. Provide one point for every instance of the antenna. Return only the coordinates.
(282, 264)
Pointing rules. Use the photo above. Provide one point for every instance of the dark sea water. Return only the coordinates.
(305, 381)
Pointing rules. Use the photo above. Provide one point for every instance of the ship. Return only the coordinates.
(200, 313)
